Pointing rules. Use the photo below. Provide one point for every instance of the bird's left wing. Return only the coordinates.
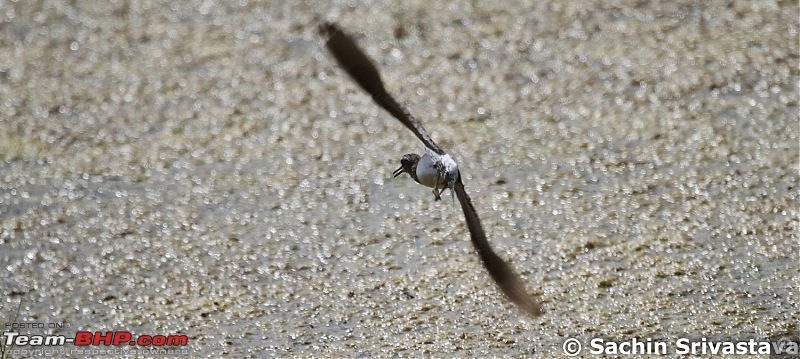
(509, 282)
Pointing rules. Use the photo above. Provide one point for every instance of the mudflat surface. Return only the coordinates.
(205, 169)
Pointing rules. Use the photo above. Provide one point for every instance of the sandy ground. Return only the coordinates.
(204, 168)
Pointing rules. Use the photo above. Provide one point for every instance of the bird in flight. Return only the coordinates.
(435, 168)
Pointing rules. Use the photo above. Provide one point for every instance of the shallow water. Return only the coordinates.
(206, 169)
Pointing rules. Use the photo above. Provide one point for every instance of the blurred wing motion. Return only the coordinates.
(363, 71)
(508, 281)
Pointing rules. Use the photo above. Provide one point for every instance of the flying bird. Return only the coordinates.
(435, 168)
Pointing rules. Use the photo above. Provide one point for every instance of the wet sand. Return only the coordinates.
(207, 170)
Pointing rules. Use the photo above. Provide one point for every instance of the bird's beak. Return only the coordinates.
(398, 171)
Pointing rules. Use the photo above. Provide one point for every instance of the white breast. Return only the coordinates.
(428, 173)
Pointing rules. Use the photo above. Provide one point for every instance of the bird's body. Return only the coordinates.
(431, 170)
(434, 169)
(429, 173)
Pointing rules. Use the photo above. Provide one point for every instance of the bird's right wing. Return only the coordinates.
(509, 282)
(353, 60)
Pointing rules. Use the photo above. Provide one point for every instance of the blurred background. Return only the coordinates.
(204, 168)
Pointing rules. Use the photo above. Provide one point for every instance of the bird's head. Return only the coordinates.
(408, 164)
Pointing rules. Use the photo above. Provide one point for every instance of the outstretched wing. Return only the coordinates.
(502, 273)
(353, 60)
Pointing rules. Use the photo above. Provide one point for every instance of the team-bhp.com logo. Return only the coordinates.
(13, 344)
(12, 339)
(120, 338)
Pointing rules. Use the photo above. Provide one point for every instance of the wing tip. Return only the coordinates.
(328, 29)
(525, 302)
(532, 308)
